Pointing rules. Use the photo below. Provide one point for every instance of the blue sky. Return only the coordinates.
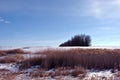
(52, 22)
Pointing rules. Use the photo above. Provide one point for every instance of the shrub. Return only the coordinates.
(78, 40)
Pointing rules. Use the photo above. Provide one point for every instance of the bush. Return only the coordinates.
(78, 40)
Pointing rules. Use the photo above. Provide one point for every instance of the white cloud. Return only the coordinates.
(1, 20)
(106, 28)
(7, 22)
(102, 8)
(4, 20)
(95, 8)
(112, 30)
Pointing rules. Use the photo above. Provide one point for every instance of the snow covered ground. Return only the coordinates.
(91, 75)
(11, 67)
(37, 48)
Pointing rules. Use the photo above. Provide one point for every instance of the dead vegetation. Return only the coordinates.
(27, 63)
(7, 75)
(61, 71)
(8, 60)
(87, 58)
(11, 58)
(66, 62)
(12, 51)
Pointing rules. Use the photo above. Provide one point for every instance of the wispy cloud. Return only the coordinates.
(106, 28)
(4, 20)
(94, 8)
(7, 22)
(103, 8)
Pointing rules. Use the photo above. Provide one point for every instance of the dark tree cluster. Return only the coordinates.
(78, 40)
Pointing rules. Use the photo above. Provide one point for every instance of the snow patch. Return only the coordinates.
(99, 74)
(32, 69)
(35, 49)
(11, 67)
(27, 56)
(22, 77)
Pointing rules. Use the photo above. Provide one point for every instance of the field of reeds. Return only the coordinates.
(87, 58)
(73, 62)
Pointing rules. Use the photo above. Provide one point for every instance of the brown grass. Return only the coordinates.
(13, 51)
(7, 75)
(27, 63)
(61, 71)
(8, 60)
(87, 58)
(2, 53)
(11, 58)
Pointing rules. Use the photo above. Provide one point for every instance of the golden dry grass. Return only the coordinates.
(61, 71)
(87, 58)
(64, 60)
(27, 63)
(2, 53)
(12, 51)
(8, 60)
(11, 58)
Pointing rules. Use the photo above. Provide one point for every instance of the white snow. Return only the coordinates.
(11, 67)
(35, 48)
(106, 73)
(32, 68)
(42, 48)
(22, 77)
(8, 47)
(99, 75)
(27, 56)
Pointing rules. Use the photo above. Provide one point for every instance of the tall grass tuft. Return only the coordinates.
(31, 62)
